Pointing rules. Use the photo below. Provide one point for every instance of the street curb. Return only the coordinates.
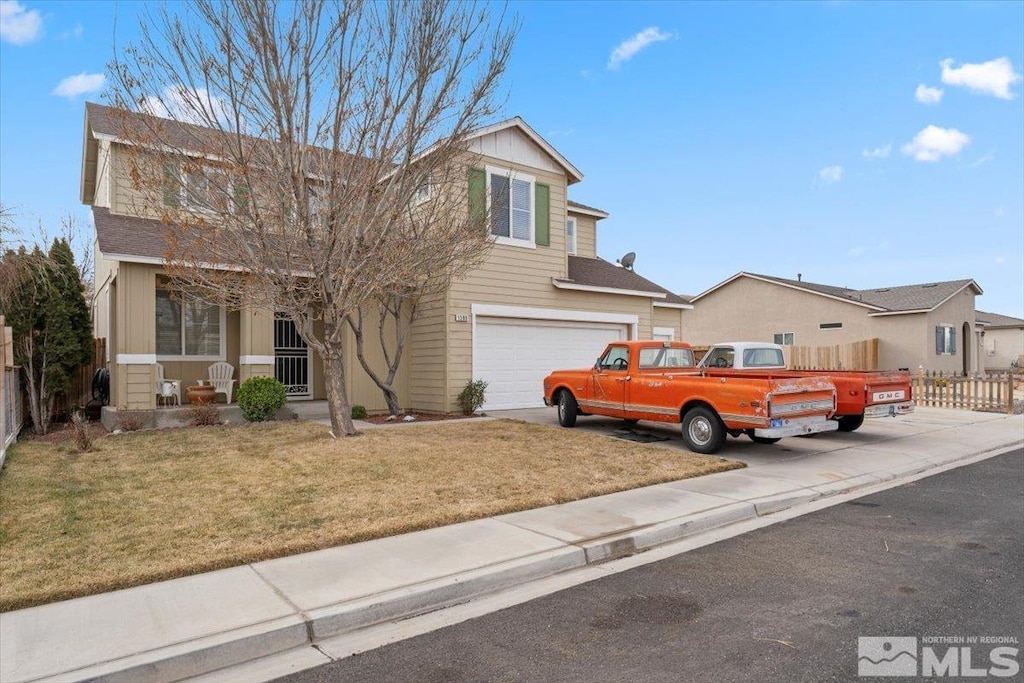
(303, 629)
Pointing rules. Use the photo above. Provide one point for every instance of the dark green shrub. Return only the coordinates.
(471, 398)
(260, 397)
(358, 412)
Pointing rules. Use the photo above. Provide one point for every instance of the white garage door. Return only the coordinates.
(514, 355)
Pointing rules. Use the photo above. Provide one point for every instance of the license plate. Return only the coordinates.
(885, 396)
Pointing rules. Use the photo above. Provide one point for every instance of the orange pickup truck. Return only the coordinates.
(655, 380)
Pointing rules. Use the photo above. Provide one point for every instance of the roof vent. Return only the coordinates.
(799, 277)
(934, 284)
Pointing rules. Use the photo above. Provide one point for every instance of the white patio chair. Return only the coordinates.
(221, 378)
(166, 389)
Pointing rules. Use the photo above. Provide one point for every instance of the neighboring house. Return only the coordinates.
(927, 325)
(542, 300)
(1002, 339)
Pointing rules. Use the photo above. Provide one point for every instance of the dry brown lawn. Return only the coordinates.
(148, 506)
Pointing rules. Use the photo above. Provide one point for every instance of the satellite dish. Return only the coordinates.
(627, 260)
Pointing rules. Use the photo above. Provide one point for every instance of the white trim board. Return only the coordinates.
(562, 284)
(256, 360)
(136, 359)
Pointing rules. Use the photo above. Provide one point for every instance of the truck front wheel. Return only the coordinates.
(850, 423)
(568, 409)
(703, 432)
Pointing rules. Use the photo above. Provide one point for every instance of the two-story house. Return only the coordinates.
(542, 300)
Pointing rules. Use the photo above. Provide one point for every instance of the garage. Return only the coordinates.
(513, 355)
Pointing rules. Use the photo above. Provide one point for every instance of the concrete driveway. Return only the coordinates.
(875, 431)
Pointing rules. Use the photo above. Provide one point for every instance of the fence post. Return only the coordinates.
(1009, 387)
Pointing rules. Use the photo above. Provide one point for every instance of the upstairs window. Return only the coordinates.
(203, 189)
(570, 235)
(945, 340)
(511, 199)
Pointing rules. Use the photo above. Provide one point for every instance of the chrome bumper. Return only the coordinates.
(797, 426)
(889, 409)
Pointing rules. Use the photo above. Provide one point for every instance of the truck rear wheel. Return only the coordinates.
(568, 409)
(850, 423)
(703, 432)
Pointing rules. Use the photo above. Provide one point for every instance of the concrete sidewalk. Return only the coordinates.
(186, 627)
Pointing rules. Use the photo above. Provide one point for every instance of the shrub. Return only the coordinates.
(80, 431)
(202, 414)
(260, 397)
(471, 398)
(358, 412)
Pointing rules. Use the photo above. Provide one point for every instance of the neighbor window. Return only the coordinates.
(188, 327)
(570, 235)
(784, 338)
(945, 340)
(511, 204)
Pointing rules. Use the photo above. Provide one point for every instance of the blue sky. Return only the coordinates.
(860, 144)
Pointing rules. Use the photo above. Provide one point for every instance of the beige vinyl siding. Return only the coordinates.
(361, 387)
(103, 189)
(586, 235)
(135, 333)
(669, 317)
(426, 357)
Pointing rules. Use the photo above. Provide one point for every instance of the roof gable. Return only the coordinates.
(503, 140)
(882, 301)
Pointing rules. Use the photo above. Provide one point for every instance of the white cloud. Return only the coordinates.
(76, 32)
(928, 95)
(628, 48)
(831, 174)
(933, 143)
(999, 212)
(990, 78)
(877, 152)
(984, 159)
(19, 25)
(188, 106)
(80, 84)
(857, 251)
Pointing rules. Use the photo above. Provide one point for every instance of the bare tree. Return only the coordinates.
(302, 138)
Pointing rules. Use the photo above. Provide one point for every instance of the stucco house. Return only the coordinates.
(929, 325)
(1002, 340)
(542, 300)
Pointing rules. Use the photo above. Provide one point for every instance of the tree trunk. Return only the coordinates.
(337, 397)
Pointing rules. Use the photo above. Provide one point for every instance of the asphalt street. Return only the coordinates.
(942, 556)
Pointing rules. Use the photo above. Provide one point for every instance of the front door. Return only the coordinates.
(291, 359)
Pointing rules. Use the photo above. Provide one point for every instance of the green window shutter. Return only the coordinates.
(172, 186)
(542, 208)
(477, 196)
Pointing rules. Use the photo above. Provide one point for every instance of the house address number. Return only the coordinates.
(462, 317)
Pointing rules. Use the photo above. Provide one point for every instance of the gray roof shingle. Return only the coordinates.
(596, 272)
(901, 298)
(997, 320)
(578, 205)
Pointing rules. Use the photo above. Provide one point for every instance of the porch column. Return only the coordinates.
(135, 349)
(256, 344)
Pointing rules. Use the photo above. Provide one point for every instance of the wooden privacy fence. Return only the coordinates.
(858, 355)
(939, 390)
(80, 392)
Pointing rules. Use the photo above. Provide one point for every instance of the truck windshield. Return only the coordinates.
(763, 358)
(661, 357)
